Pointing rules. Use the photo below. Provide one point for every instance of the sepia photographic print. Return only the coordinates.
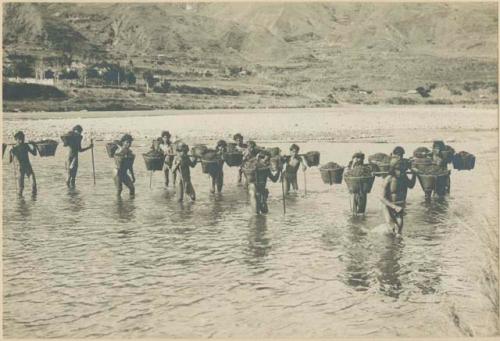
(250, 169)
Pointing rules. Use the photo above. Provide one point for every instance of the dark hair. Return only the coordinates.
(398, 151)
(358, 155)
(252, 143)
(165, 133)
(182, 147)
(237, 136)
(221, 143)
(19, 136)
(126, 137)
(78, 128)
(294, 146)
(263, 153)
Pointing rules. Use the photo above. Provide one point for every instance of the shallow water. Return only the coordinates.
(83, 263)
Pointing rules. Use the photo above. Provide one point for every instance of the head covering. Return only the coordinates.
(398, 151)
(165, 133)
(78, 128)
(439, 144)
(294, 147)
(237, 136)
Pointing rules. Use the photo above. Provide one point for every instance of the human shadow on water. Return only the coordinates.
(75, 200)
(388, 265)
(356, 250)
(23, 208)
(125, 209)
(258, 244)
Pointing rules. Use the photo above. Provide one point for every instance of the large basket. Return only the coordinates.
(231, 147)
(153, 162)
(210, 167)
(464, 161)
(312, 159)
(233, 159)
(122, 161)
(69, 138)
(46, 147)
(380, 166)
(198, 150)
(359, 184)
(276, 163)
(431, 182)
(419, 163)
(111, 148)
(273, 151)
(332, 175)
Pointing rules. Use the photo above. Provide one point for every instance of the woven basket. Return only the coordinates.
(153, 162)
(46, 147)
(312, 159)
(361, 184)
(332, 175)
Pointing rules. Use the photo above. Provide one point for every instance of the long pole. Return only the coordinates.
(305, 183)
(283, 193)
(93, 163)
(150, 179)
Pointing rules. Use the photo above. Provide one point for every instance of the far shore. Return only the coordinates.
(172, 112)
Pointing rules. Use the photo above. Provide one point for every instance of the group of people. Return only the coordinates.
(178, 162)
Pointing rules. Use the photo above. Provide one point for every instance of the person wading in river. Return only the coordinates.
(75, 147)
(20, 152)
(292, 164)
(182, 163)
(257, 187)
(240, 146)
(395, 190)
(217, 174)
(167, 148)
(124, 166)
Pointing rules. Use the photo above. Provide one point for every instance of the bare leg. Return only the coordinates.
(34, 189)
(167, 171)
(190, 191)
(220, 182)
(180, 191)
(20, 182)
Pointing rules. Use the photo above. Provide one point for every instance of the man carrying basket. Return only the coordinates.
(20, 152)
(75, 147)
(124, 159)
(257, 183)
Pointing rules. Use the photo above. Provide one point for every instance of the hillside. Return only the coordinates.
(310, 50)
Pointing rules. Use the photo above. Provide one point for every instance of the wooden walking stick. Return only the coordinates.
(283, 193)
(150, 178)
(92, 153)
(305, 183)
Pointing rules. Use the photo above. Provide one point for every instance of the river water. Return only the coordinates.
(84, 263)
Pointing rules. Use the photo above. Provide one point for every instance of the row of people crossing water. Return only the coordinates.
(255, 167)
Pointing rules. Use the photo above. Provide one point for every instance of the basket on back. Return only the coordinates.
(448, 153)
(464, 161)
(233, 158)
(382, 161)
(359, 179)
(46, 147)
(210, 162)
(112, 147)
(312, 158)
(124, 161)
(70, 138)
(154, 160)
(331, 173)
(198, 150)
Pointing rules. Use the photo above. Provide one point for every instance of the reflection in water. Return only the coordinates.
(258, 244)
(357, 269)
(125, 209)
(23, 208)
(389, 267)
(75, 201)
